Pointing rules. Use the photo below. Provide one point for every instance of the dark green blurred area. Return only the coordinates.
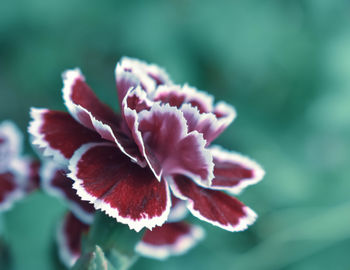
(284, 65)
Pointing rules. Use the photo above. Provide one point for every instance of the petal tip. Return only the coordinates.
(38, 138)
(183, 244)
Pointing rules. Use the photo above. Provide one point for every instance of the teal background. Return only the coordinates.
(284, 65)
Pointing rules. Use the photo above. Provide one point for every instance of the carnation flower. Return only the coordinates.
(170, 239)
(130, 164)
(173, 238)
(18, 174)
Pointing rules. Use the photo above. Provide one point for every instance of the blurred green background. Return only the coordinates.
(284, 65)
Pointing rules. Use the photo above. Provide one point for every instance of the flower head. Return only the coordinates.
(129, 164)
(175, 237)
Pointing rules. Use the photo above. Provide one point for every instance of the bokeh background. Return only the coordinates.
(284, 65)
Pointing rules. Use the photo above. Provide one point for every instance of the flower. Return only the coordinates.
(170, 239)
(173, 238)
(129, 164)
(18, 174)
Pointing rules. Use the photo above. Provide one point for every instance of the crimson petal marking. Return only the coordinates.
(234, 172)
(69, 234)
(175, 95)
(136, 99)
(169, 240)
(105, 177)
(86, 108)
(123, 141)
(55, 183)
(178, 209)
(77, 96)
(213, 206)
(148, 75)
(58, 133)
(170, 149)
(11, 143)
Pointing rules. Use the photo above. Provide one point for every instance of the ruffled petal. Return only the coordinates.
(170, 149)
(58, 134)
(137, 100)
(233, 172)
(205, 123)
(87, 109)
(176, 96)
(80, 99)
(213, 206)
(131, 194)
(56, 183)
(169, 240)
(69, 235)
(10, 144)
(130, 72)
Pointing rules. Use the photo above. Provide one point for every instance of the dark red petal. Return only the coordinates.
(233, 172)
(56, 183)
(10, 190)
(169, 240)
(78, 95)
(175, 95)
(11, 140)
(131, 72)
(170, 149)
(86, 108)
(69, 235)
(105, 177)
(178, 209)
(213, 206)
(58, 134)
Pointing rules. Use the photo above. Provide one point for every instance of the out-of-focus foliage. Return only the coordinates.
(285, 65)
